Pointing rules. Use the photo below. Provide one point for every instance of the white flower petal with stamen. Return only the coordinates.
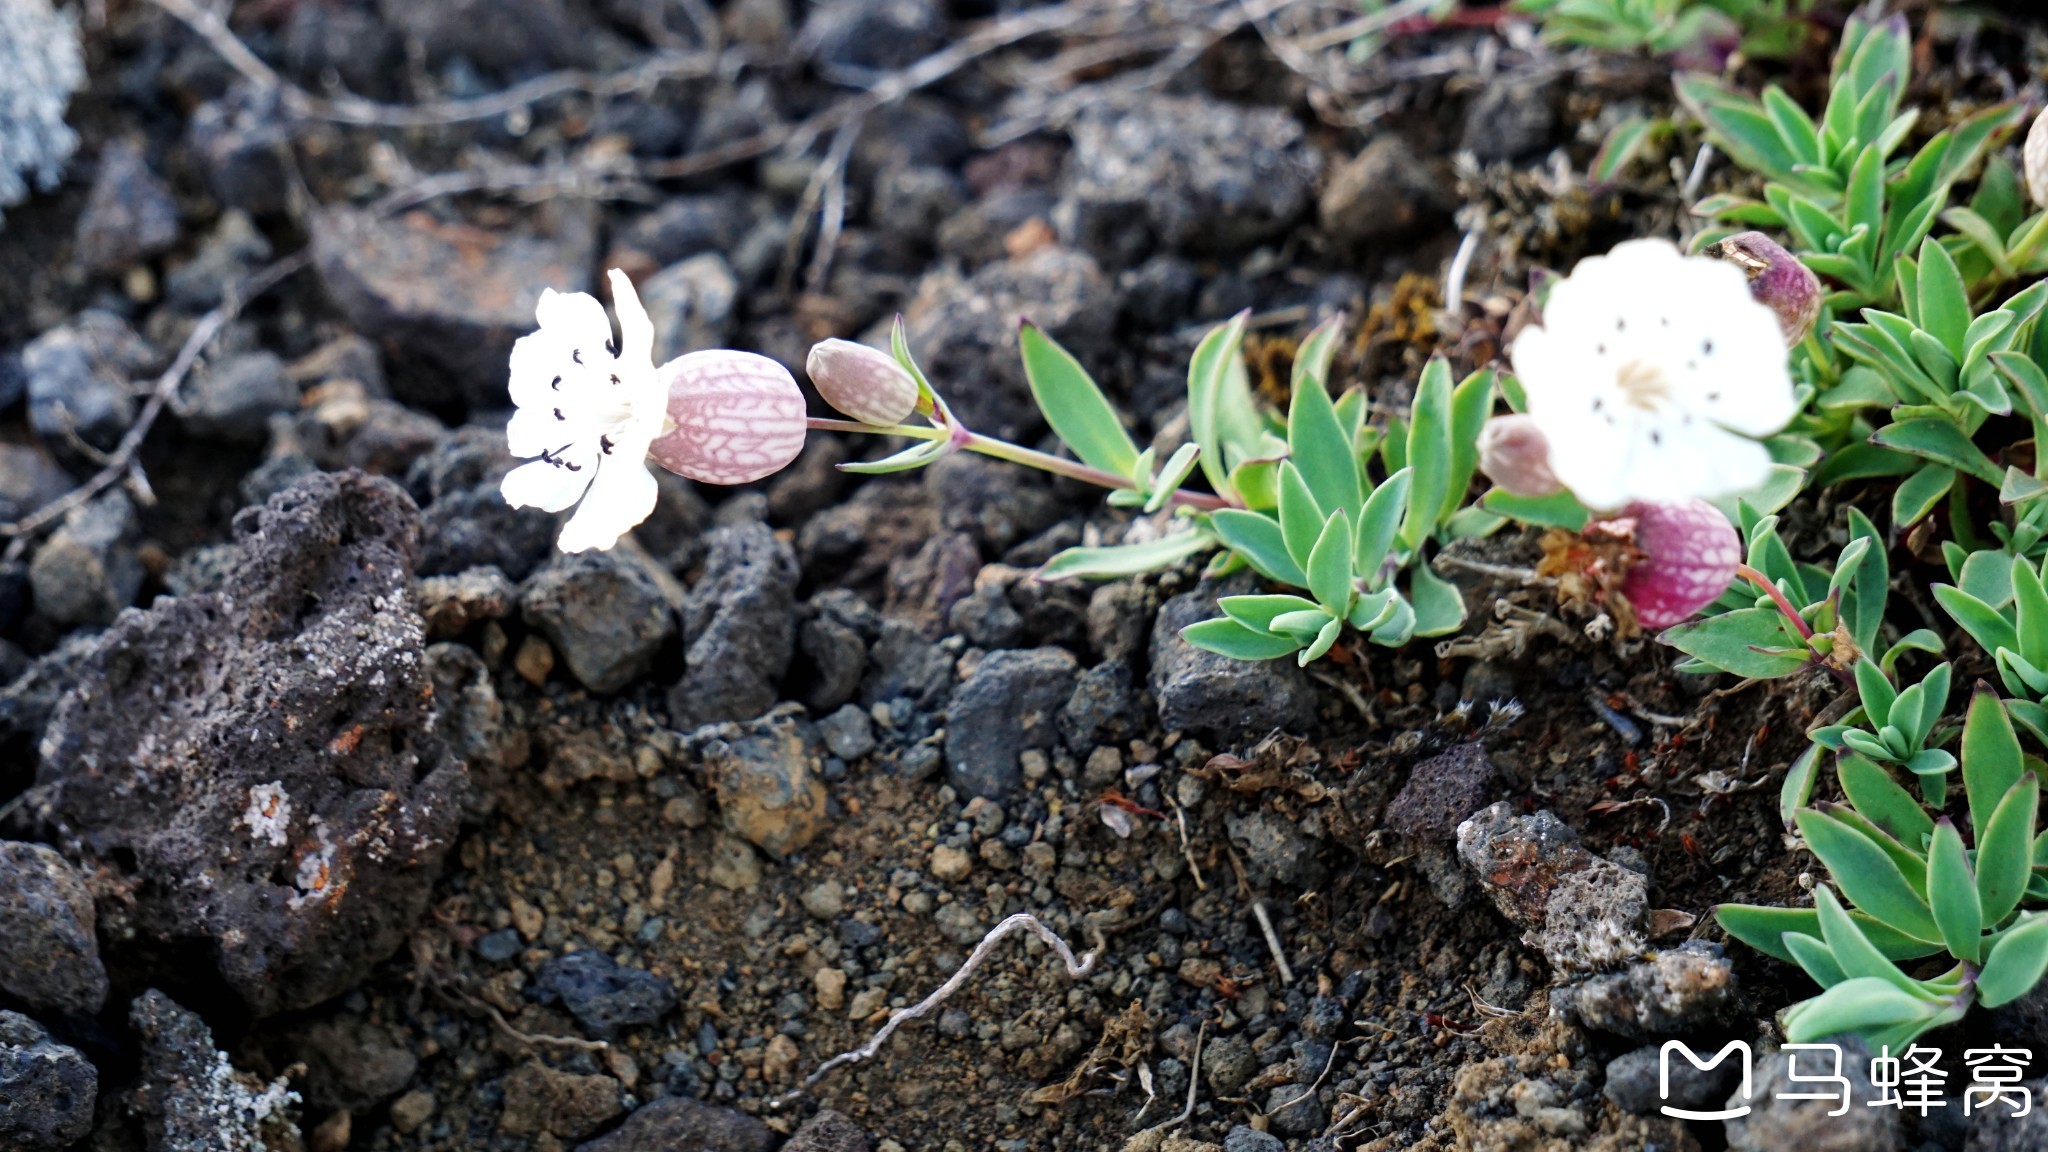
(588, 406)
(1650, 376)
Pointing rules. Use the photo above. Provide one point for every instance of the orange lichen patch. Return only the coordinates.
(346, 743)
(1028, 237)
(1270, 361)
(1399, 331)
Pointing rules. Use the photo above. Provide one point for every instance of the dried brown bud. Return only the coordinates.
(1777, 280)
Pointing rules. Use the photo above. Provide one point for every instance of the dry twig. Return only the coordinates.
(1079, 969)
(122, 460)
(369, 113)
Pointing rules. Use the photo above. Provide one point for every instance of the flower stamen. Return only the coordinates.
(1643, 385)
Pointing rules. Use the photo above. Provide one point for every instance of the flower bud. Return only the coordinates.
(1515, 455)
(864, 383)
(2035, 160)
(735, 417)
(1777, 280)
(1690, 553)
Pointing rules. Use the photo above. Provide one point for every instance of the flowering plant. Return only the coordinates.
(1295, 500)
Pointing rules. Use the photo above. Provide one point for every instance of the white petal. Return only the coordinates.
(621, 497)
(575, 317)
(636, 331)
(548, 487)
(533, 431)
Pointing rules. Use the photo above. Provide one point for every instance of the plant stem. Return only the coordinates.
(1784, 606)
(1028, 457)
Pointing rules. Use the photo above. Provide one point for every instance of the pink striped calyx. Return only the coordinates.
(733, 417)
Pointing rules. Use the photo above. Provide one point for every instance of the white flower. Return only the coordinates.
(1650, 376)
(589, 406)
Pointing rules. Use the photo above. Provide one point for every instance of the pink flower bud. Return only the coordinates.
(864, 383)
(2035, 160)
(1515, 455)
(735, 417)
(1690, 553)
(1777, 280)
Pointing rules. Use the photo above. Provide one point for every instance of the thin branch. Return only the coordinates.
(369, 113)
(888, 90)
(123, 456)
(1273, 941)
(1079, 969)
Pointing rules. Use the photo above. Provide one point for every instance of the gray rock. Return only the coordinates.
(1775, 1124)
(351, 43)
(1636, 1081)
(1187, 173)
(1228, 1064)
(1441, 791)
(828, 1131)
(606, 998)
(501, 35)
(687, 225)
(29, 478)
(130, 215)
(47, 1089)
(1511, 118)
(835, 656)
(452, 604)
(1384, 192)
(848, 733)
(966, 329)
(1247, 1139)
(1680, 991)
(691, 305)
(986, 618)
(1295, 1110)
(1276, 850)
(243, 147)
(272, 746)
(465, 522)
(350, 1063)
(1598, 919)
(448, 296)
(1994, 1128)
(739, 628)
(232, 251)
(1007, 705)
(190, 1098)
(868, 36)
(911, 203)
(1520, 859)
(234, 399)
(902, 663)
(49, 956)
(500, 946)
(1102, 709)
(1203, 692)
(603, 612)
(78, 379)
(88, 570)
(680, 1124)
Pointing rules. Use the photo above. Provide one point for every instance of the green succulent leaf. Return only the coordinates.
(1952, 893)
(2004, 850)
(1992, 760)
(1763, 929)
(1079, 413)
(1439, 606)
(1120, 560)
(1319, 447)
(1429, 454)
(1227, 637)
(1867, 875)
(1222, 416)
(1378, 525)
(2015, 964)
(1257, 538)
(1329, 566)
(1880, 799)
(1301, 515)
(1861, 1005)
(1748, 642)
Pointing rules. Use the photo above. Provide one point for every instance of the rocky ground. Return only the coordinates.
(324, 774)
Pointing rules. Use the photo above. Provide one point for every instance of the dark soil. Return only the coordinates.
(768, 888)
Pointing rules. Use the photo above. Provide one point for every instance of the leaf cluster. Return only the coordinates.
(1765, 28)
(1916, 887)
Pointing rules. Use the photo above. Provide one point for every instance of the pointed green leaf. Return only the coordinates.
(1867, 875)
(1439, 606)
(1325, 640)
(1227, 637)
(1429, 453)
(1119, 560)
(1301, 516)
(1329, 566)
(1257, 538)
(1220, 407)
(1952, 893)
(2015, 964)
(1378, 525)
(1992, 760)
(1077, 410)
(1879, 799)
(2004, 850)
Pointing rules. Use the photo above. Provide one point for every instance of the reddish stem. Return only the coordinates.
(1784, 606)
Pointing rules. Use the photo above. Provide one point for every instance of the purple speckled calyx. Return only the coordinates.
(1777, 280)
(1690, 555)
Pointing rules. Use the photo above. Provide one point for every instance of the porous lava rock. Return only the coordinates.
(255, 770)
